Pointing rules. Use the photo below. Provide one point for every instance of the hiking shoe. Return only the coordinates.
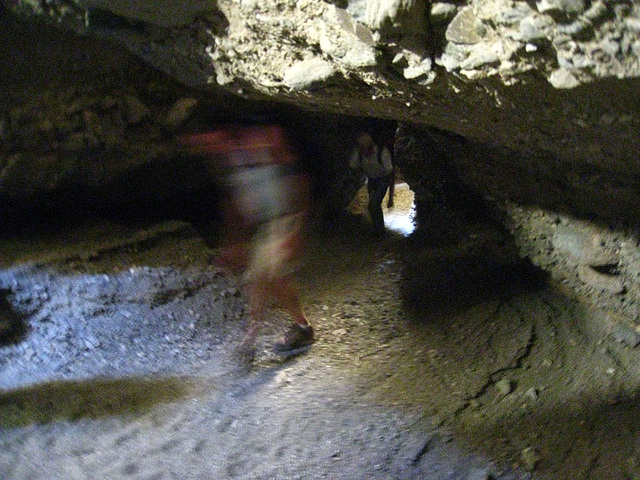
(296, 338)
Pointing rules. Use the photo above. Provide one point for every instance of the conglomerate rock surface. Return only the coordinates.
(552, 76)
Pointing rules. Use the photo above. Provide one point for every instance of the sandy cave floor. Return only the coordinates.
(128, 370)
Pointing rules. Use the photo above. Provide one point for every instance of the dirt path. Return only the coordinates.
(127, 371)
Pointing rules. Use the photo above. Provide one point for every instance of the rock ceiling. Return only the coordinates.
(558, 77)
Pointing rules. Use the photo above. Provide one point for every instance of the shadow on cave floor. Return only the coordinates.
(12, 325)
(57, 401)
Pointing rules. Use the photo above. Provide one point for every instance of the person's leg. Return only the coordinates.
(286, 297)
(257, 293)
(377, 188)
(392, 190)
(301, 333)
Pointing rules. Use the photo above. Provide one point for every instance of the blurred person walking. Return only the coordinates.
(267, 202)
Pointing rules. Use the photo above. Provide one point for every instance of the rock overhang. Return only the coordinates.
(540, 77)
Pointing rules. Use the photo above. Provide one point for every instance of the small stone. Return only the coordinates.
(223, 79)
(400, 60)
(340, 17)
(303, 75)
(339, 333)
(625, 335)
(442, 12)
(597, 11)
(504, 386)
(570, 7)
(529, 30)
(582, 244)
(466, 28)
(365, 35)
(532, 394)
(413, 72)
(478, 59)
(563, 79)
(632, 24)
(359, 55)
(449, 62)
(577, 29)
(180, 111)
(283, 378)
(91, 343)
(530, 458)
(610, 46)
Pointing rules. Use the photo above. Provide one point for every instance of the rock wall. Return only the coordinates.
(589, 244)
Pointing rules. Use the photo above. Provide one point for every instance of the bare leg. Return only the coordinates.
(301, 333)
(287, 298)
(257, 293)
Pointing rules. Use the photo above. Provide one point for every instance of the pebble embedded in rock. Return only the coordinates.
(529, 31)
(305, 74)
(563, 79)
(583, 245)
(180, 111)
(449, 62)
(625, 335)
(465, 28)
(480, 58)
(91, 343)
(413, 72)
(532, 394)
(530, 458)
(597, 11)
(504, 386)
(569, 7)
(339, 333)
